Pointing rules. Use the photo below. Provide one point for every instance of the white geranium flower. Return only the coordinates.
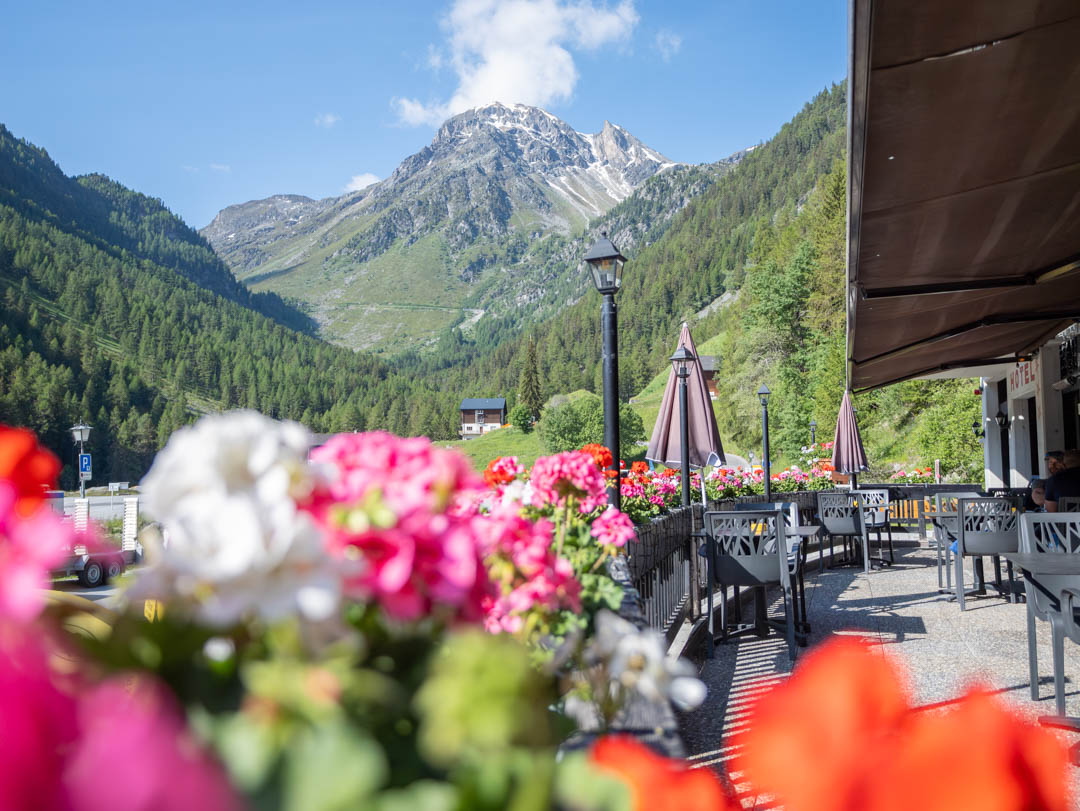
(225, 490)
(517, 493)
(637, 660)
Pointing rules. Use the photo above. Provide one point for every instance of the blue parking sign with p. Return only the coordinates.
(84, 465)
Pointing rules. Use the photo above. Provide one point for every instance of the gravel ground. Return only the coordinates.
(898, 608)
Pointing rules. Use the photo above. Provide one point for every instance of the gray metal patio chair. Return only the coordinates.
(751, 550)
(876, 512)
(1050, 534)
(842, 516)
(1068, 504)
(796, 552)
(985, 526)
(945, 506)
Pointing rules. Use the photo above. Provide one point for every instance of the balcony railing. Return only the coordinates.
(663, 562)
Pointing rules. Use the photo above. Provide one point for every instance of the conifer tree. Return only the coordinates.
(529, 386)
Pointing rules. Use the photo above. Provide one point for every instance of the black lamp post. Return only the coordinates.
(813, 432)
(81, 433)
(606, 264)
(763, 395)
(682, 359)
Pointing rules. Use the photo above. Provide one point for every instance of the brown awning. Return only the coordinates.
(963, 182)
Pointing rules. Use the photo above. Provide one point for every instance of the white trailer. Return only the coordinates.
(97, 568)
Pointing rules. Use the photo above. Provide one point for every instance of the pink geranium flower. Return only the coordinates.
(395, 507)
(30, 546)
(529, 577)
(613, 528)
(163, 767)
(572, 475)
(61, 739)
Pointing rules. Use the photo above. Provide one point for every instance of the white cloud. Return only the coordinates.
(517, 51)
(435, 58)
(667, 43)
(191, 169)
(221, 167)
(326, 120)
(361, 181)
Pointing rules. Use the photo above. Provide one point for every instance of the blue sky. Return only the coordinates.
(209, 104)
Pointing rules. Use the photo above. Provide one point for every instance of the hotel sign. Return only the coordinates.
(1022, 378)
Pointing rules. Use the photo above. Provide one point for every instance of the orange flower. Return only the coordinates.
(600, 454)
(501, 470)
(30, 468)
(639, 467)
(842, 734)
(657, 783)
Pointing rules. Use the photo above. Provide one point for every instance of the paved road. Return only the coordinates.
(106, 594)
(736, 461)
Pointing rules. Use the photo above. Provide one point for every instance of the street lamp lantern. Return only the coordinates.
(606, 264)
(763, 395)
(81, 433)
(682, 359)
(813, 432)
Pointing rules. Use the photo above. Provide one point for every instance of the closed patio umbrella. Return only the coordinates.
(664, 447)
(848, 455)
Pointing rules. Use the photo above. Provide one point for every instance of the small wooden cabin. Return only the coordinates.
(481, 414)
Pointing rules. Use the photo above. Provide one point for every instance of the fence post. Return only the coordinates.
(695, 588)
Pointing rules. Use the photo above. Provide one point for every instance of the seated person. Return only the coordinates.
(1055, 461)
(1035, 500)
(1064, 483)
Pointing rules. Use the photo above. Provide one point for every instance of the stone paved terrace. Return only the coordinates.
(900, 609)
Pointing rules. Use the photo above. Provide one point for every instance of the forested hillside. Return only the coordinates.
(787, 330)
(700, 256)
(770, 234)
(117, 313)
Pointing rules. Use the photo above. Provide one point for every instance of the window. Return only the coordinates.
(480, 416)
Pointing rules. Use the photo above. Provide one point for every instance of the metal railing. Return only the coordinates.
(662, 563)
(660, 567)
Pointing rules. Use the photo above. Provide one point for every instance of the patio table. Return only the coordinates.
(804, 532)
(1045, 564)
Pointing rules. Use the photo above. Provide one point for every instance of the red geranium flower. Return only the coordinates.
(656, 783)
(639, 467)
(501, 470)
(841, 733)
(600, 454)
(29, 468)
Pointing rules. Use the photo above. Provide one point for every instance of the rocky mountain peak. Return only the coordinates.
(591, 172)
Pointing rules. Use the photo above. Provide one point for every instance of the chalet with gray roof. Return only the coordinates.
(481, 414)
(709, 367)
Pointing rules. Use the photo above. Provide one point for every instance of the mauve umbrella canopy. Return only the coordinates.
(848, 455)
(665, 445)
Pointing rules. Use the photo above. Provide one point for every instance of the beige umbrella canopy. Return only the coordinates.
(848, 455)
(665, 445)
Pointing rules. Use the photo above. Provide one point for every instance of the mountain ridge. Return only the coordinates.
(487, 217)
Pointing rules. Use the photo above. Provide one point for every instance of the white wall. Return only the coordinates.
(993, 475)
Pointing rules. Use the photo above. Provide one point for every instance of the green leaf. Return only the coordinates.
(332, 768)
(423, 795)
